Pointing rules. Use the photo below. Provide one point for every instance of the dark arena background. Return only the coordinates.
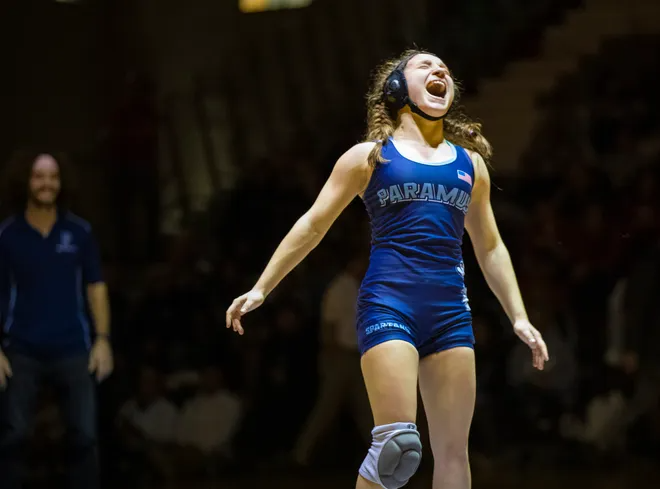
(201, 130)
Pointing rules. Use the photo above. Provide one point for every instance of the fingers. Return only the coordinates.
(544, 351)
(540, 350)
(98, 368)
(5, 373)
(6, 369)
(233, 309)
(236, 323)
(541, 345)
(93, 364)
(241, 305)
(104, 371)
(229, 314)
(534, 340)
(537, 359)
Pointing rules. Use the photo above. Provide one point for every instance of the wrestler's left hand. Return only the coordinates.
(532, 338)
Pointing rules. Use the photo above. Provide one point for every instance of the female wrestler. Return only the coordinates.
(423, 178)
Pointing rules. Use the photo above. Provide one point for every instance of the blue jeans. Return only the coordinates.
(76, 392)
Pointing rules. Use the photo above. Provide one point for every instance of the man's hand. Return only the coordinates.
(5, 370)
(100, 359)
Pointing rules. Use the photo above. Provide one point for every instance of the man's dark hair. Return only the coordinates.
(17, 179)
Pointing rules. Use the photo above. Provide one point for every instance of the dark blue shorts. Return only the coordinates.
(429, 327)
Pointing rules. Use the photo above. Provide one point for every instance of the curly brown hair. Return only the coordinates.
(459, 129)
(17, 180)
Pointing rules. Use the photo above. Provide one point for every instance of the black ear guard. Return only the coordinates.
(395, 93)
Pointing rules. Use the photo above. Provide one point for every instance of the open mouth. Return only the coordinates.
(437, 88)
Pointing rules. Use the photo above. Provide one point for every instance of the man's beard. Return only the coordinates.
(40, 204)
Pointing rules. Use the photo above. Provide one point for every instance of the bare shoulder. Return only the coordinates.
(353, 165)
(357, 155)
(481, 189)
(480, 167)
(477, 160)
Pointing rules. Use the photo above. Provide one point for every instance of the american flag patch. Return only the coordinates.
(464, 176)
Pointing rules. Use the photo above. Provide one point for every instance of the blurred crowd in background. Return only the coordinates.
(581, 220)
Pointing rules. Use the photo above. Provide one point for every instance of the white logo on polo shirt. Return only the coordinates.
(66, 243)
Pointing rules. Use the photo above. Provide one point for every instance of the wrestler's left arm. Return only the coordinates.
(495, 261)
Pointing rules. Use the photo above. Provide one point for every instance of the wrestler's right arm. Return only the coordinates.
(348, 179)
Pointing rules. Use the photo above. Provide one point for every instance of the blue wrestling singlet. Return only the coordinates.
(414, 289)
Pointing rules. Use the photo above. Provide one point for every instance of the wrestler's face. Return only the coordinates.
(430, 85)
(44, 181)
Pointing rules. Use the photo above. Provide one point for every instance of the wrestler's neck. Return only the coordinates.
(413, 127)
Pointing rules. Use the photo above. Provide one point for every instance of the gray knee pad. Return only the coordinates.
(394, 456)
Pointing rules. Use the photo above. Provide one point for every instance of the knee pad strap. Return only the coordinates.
(394, 456)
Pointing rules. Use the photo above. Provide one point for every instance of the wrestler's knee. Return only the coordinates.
(394, 456)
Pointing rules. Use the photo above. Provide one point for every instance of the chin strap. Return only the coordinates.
(415, 108)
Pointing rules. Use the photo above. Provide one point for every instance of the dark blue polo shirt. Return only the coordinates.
(43, 286)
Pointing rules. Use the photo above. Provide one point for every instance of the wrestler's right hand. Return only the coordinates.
(241, 306)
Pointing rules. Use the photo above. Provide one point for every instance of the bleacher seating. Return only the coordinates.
(604, 113)
(299, 70)
(484, 35)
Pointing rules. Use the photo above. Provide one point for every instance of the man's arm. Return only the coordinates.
(5, 277)
(99, 305)
(97, 291)
(100, 357)
(5, 367)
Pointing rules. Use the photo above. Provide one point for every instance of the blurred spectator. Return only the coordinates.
(485, 433)
(133, 169)
(146, 423)
(149, 417)
(208, 421)
(280, 394)
(339, 363)
(544, 396)
(642, 333)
